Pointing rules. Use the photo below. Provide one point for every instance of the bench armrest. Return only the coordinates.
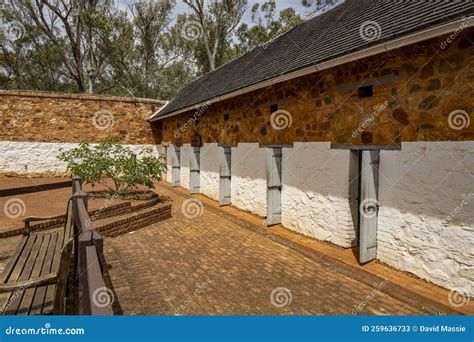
(42, 218)
(27, 228)
(23, 285)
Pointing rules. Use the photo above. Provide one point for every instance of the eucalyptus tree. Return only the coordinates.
(317, 6)
(145, 50)
(267, 24)
(92, 46)
(210, 27)
(152, 53)
(67, 34)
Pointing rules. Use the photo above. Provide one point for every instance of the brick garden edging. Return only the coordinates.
(161, 212)
(119, 209)
(97, 214)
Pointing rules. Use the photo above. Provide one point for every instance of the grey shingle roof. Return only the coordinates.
(323, 38)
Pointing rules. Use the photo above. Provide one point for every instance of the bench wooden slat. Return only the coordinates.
(21, 260)
(62, 278)
(19, 264)
(25, 273)
(38, 301)
(12, 261)
(28, 296)
(62, 240)
(51, 289)
(5, 297)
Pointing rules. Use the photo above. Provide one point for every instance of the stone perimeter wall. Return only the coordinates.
(414, 90)
(72, 118)
(34, 126)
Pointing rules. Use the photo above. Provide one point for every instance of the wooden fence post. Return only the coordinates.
(76, 184)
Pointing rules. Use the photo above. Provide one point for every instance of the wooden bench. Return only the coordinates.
(34, 281)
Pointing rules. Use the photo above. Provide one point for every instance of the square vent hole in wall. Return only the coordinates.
(226, 116)
(366, 91)
(273, 108)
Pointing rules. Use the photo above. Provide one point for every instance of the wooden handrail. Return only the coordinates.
(89, 248)
(83, 216)
(101, 297)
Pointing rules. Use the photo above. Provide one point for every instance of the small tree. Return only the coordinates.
(95, 163)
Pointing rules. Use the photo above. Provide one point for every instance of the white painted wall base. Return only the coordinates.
(39, 158)
(249, 184)
(186, 151)
(315, 194)
(421, 187)
(169, 166)
(210, 170)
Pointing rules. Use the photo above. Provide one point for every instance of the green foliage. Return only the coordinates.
(266, 25)
(99, 47)
(318, 6)
(214, 23)
(90, 46)
(97, 163)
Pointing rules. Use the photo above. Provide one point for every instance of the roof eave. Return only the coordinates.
(158, 111)
(370, 51)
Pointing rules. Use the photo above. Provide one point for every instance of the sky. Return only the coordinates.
(281, 4)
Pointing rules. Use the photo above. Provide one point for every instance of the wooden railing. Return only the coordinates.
(34, 188)
(89, 258)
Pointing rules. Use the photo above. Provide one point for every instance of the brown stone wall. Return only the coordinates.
(415, 88)
(69, 118)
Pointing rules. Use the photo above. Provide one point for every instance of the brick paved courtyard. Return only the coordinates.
(218, 263)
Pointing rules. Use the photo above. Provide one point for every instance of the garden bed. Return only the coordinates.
(53, 202)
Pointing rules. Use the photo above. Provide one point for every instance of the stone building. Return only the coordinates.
(353, 128)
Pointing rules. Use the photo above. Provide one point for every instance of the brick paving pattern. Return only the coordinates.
(215, 265)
